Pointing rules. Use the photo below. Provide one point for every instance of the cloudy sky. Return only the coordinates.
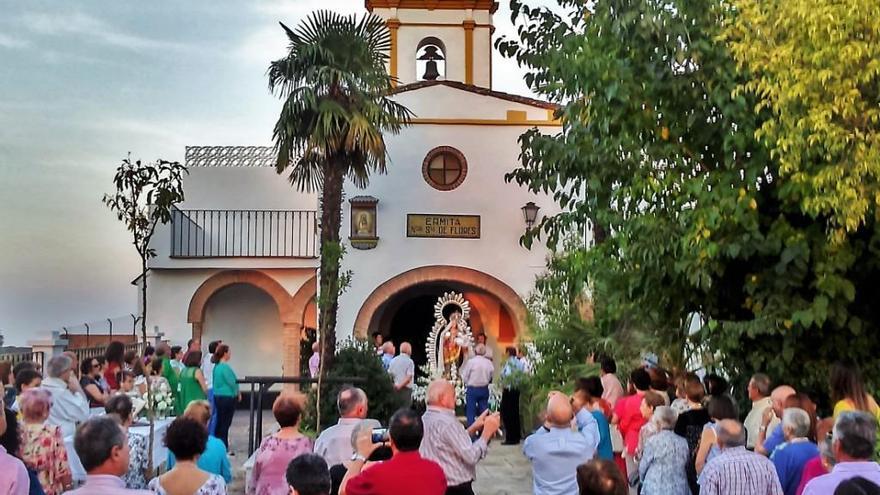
(83, 83)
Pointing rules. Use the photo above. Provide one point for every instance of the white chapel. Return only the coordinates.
(238, 261)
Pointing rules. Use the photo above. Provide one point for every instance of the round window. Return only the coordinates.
(444, 168)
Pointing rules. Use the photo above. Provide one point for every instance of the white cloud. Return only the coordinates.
(269, 41)
(7, 41)
(86, 26)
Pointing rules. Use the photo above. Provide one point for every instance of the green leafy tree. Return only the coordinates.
(331, 128)
(815, 67)
(146, 194)
(662, 149)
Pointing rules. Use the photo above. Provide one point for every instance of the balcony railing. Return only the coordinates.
(243, 233)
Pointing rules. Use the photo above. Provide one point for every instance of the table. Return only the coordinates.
(160, 452)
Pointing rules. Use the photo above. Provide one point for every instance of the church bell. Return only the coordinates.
(431, 55)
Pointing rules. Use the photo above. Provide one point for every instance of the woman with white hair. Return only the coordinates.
(790, 457)
(664, 460)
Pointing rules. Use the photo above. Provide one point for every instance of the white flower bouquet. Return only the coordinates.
(160, 401)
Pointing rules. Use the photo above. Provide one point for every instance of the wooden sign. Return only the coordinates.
(445, 226)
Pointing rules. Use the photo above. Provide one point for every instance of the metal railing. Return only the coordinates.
(19, 357)
(243, 233)
(92, 352)
(261, 384)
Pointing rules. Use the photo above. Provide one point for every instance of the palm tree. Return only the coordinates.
(336, 108)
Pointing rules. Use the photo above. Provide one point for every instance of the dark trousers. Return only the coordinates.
(476, 401)
(225, 411)
(404, 397)
(510, 415)
(462, 489)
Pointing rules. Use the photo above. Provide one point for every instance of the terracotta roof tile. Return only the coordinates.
(478, 90)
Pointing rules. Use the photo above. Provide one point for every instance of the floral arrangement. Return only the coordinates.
(159, 402)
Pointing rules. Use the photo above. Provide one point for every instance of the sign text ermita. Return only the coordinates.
(449, 226)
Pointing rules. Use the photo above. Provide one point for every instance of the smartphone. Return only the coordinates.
(380, 435)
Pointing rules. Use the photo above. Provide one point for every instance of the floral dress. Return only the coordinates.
(42, 449)
(214, 485)
(270, 464)
(137, 462)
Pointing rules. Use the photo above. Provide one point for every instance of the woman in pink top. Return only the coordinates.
(276, 450)
(612, 390)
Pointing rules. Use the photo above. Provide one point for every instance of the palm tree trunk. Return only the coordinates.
(331, 258)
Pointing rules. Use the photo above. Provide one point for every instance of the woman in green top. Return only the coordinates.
(192, 380)
(163, 352)
(226, 392)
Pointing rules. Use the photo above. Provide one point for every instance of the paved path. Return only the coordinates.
(503, 472)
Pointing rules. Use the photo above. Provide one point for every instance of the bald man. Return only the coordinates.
(387, 354)
(449, 444)
(402, 371)
(555, 450)
(770, 433)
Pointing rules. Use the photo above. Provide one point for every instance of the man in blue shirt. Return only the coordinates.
(789, 458)
(555, 450)
(387, 354)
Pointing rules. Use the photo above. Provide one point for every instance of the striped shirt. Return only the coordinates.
(737, 471)
(447, 443)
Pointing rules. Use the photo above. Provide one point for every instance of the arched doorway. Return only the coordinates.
(292, 313)
(246, 318)
(402, 307)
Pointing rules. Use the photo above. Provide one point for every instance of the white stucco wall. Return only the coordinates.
(246, 319)
(444, 102)
(491, 151)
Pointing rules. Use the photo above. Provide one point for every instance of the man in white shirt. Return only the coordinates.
(402, 371)
(334, 443)
(759, 393)
(69, 404)
(476, 374)
(208, 371)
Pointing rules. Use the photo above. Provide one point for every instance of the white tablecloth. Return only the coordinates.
(160, 452)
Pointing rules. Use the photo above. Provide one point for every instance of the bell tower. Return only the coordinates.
(439, 39)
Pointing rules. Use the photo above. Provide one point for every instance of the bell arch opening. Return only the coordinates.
(430, 59)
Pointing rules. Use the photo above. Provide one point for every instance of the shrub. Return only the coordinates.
(354, 358)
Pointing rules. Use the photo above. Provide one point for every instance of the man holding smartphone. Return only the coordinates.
(406, 468)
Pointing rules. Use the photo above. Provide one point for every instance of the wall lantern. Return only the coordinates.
(530, 213)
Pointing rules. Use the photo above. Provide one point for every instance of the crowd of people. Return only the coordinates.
(43, 406)
(658, 435)
(683, 436)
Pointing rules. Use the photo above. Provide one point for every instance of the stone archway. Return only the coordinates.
(507, 297)
(291, 309)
